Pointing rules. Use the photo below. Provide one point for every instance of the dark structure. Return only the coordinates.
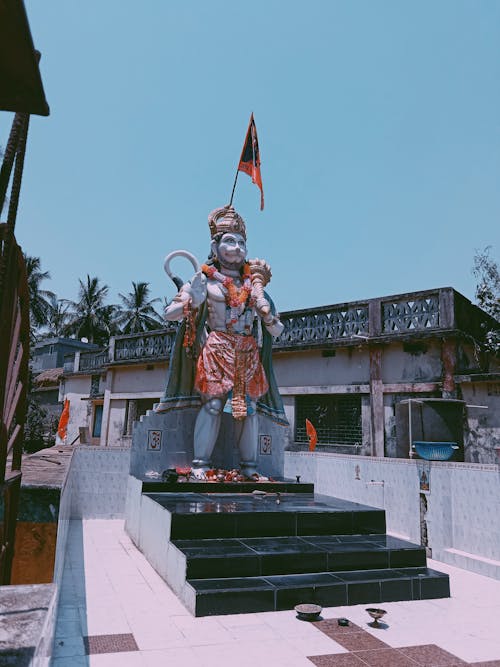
(21, 92)
(55, 352)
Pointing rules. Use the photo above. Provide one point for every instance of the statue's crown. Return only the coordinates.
(224, 220)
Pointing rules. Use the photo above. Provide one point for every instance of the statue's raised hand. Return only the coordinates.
(197, 289)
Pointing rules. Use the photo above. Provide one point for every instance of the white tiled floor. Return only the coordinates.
(109, 588)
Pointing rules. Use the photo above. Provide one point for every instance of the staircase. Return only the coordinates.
(237, 553)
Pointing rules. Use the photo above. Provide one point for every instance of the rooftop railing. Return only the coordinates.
(90, 361)
(151, 345)
(398, 316)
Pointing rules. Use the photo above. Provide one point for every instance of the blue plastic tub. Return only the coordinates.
(435, 451)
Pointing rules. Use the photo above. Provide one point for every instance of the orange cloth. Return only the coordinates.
(62, 428)
(312, 435)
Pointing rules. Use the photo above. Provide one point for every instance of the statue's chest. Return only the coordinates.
(216, 291)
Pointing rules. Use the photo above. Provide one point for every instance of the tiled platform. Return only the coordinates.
(238, 553)
(112, 594)
(199, 486)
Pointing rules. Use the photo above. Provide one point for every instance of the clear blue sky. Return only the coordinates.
(379, 129)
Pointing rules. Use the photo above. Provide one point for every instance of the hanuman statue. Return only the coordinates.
(222, 354)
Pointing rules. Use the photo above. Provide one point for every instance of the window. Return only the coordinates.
(336, 418)
(97, 425)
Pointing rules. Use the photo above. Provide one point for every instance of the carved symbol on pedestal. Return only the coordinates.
(265, 444)
(154, 441)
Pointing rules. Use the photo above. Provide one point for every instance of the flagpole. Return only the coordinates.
(234, 185)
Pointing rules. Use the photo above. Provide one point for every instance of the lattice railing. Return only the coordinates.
(93, 360)
(144, 346)
(402, 314)
(411, 315)
(324, 326)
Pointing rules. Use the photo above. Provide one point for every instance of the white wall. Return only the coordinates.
(463, 505)
(80, 411)
(99, 482)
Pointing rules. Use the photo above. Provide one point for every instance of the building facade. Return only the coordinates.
(349, 368)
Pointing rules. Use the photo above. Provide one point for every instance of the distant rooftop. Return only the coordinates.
(61, 340)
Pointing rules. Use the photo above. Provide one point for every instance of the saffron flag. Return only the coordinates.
(312, 435)
(250, 158)
(62, 428)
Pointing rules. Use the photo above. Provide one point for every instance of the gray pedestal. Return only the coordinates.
(162, 441)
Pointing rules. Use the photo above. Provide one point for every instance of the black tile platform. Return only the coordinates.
(243, 553)
(200, 486)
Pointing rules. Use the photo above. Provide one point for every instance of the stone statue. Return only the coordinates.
(224, 315)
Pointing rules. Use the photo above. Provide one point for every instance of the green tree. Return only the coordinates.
(487, 274)
(136, 312)
(90, 317)
(57, 317)
(39, 298)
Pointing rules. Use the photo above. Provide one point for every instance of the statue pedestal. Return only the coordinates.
(165, 440)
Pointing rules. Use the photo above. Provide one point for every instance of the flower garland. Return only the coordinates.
(236, 297)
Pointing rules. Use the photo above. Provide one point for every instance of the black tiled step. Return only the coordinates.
(283, 486)
(240, 595)
(287, 555)
(198, 515)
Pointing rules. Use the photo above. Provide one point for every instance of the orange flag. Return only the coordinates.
(62, 428)
(312, 435)
(250, 158)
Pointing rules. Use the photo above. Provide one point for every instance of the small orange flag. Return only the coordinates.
(312, 435)
(62, 428)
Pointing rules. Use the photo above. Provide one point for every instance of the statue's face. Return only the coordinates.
(231, 250)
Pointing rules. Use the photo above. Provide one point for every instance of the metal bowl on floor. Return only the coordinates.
(308, 612)
(376, 614)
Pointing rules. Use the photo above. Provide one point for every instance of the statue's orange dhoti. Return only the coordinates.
(230, 362)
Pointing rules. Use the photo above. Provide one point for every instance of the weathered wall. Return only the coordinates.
(400, 364)
(348, 366)
(459, 511)
(420, 363)
(137, 379)
(482, 432)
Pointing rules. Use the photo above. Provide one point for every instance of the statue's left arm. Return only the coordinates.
(261, 275)
(273, 324)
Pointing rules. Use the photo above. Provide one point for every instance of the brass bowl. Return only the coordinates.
(308, 612)
(376, 614)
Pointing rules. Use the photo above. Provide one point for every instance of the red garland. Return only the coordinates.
(236, 296)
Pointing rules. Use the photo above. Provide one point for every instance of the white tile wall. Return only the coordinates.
(463, 506)
(99, 482)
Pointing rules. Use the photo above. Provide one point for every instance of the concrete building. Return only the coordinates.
(47, 366)
(350, 368)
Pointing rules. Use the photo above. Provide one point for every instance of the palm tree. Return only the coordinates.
(89, 316)
(39, 298)
(137, 312)
(58, 316)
